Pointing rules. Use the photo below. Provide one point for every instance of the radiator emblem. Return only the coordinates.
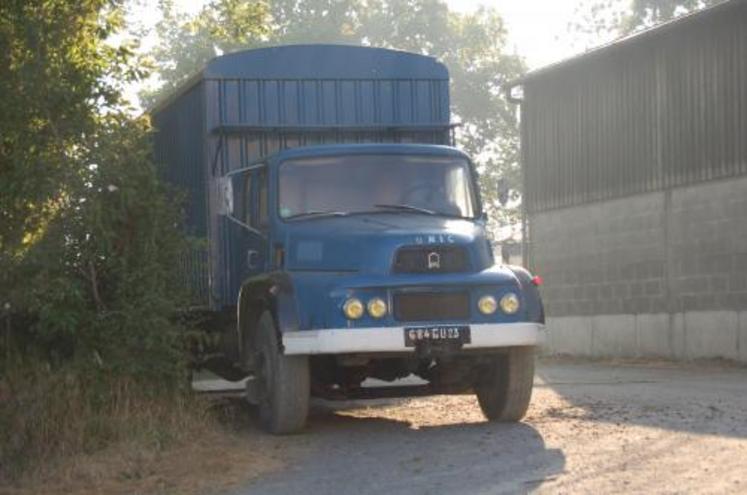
(434, 261)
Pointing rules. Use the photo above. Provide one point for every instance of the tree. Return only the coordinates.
(53, 67)
(473, 46)
(86, 236)
(646, 13)
(605, 20)
(188, 42)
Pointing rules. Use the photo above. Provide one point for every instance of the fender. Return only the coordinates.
(269, 291)
(535, 309)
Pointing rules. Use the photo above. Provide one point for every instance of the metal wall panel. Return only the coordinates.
(666, 110)
(179, 146)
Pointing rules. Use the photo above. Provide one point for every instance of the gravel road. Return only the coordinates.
(592, 428)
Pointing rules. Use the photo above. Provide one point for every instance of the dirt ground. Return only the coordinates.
(592, 428)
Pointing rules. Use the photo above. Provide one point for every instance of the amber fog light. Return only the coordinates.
(487, 305)
(510, 303)
(353, 308)
(377, 307)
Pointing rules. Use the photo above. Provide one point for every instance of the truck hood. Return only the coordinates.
(367, 243)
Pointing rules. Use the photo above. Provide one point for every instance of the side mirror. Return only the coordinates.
(502, 190)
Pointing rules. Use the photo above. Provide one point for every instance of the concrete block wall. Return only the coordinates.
(658, 274)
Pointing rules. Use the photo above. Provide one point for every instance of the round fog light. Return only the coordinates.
(377, 307)
(353, 308)
(510, 303)
(487, 305)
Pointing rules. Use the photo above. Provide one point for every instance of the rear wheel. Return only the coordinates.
(283, 383)
(504, 388)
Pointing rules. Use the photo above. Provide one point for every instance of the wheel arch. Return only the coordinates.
(271, 292)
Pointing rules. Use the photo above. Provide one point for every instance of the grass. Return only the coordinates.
(64, 432)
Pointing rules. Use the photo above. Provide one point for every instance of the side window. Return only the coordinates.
(246, 213)
(262, 207)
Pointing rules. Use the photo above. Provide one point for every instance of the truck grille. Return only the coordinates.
(430, 259)
(431, 306)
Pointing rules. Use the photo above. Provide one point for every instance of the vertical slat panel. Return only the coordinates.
(366, 103)
(347, 103)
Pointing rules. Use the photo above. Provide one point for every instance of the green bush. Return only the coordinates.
(91, 346)
(98, 285)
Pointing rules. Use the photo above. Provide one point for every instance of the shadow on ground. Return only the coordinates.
(364, 448)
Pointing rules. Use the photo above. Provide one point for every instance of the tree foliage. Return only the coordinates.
(187, 42)
(472, 45)
(609, 19)
(646, 13)
(87, 237)
(98, 283)
(52, 65)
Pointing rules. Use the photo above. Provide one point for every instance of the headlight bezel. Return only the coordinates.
(487, 304)
(353, 308)
(381, 304)
(510, 303)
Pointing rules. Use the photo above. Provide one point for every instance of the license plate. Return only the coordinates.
(437, 333)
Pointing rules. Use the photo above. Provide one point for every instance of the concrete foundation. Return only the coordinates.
(692, 335)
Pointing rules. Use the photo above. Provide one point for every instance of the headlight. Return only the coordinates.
(487, 305)
(353, 308)
(510, 303)
(377, 307)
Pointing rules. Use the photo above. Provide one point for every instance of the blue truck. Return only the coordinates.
(342, 236)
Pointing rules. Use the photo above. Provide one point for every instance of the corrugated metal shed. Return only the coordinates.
(245, 106)
(664, 108)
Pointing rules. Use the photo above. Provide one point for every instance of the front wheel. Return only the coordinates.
(504, 388)
(283, 382)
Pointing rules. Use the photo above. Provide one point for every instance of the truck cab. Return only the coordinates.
(372, 262)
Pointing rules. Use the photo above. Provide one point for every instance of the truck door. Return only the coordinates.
(248, 227)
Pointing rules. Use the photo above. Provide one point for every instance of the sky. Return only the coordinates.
(538, 29)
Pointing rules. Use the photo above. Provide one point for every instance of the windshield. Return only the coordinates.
(366, 183)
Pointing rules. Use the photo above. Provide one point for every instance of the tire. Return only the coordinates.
(505, 387)
(283, 383)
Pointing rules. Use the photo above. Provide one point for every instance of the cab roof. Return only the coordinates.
(367, 149)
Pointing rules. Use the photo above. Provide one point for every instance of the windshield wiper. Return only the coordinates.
(317, 214)
(405, 207)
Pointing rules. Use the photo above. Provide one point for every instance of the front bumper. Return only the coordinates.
(392, 339)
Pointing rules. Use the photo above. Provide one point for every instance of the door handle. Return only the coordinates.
(251, 258)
